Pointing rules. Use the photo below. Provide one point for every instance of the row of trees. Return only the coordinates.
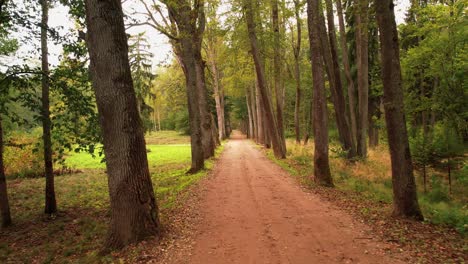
(265, 120)
(255, 52)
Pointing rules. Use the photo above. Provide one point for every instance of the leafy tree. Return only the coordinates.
(140, 64)
(134, 212)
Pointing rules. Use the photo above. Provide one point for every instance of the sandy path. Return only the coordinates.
(252, 212)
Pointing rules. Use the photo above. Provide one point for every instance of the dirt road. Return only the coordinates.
(252, 212)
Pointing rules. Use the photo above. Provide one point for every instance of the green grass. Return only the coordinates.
(76, 235)
(166, 138)
(157, 154)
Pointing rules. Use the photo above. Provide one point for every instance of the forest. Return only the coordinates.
(233, 131)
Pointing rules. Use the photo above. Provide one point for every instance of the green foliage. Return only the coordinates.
(448, 142)
(434, 61)
(140, 65)
(422, 150)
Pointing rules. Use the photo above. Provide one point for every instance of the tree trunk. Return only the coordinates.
(374, 113)
(206, 118)
(405, 201)
(253, 108)
(277, 82)
(347, 71)
(188, 60)
(297, 71)
(333, 70)
(4, 204)
(278, 147)
(362, 63)
(260, 122)
(249, 116)
(217, 87)
(134, 212)
(321, 163)
(50, 202)
(214, 133)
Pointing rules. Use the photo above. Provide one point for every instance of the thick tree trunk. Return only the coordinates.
(297, 71)
(4, 204)
(134, 212)
(278, 147)
(333, 70)
(197, 149)
(206, 119)
(347, 71)
(50, 202)
(277, 82)
(362, 62)
(405, 201)
(321, 163)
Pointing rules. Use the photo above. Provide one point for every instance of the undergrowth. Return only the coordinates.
(78, 231)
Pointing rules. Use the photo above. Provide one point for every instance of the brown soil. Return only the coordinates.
(251, 211)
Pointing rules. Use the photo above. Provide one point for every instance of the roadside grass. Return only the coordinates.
(77, 233)
(371, 179)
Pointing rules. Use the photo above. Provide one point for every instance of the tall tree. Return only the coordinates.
(347, 70)
(330, 56)
(50, 202)
(134, 212)
(362, 63)
(213, 43)
(277, 82)
(405, 201)
(185, 26)
(271, 124)
(140, 65)
(297, 68)
(321, 163)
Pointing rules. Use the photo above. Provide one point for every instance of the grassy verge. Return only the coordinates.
(365, 189)
(78, 231)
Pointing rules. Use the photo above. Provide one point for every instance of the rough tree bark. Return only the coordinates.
(278, 149)
(134, 212)
(50, 202)
(297, 70)
(185, 28)
(330, 56)
(405, 201)
(4, 204)
(347, 71)
(208, 138)
(277, 79)
(362, 63)
(321, 163)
